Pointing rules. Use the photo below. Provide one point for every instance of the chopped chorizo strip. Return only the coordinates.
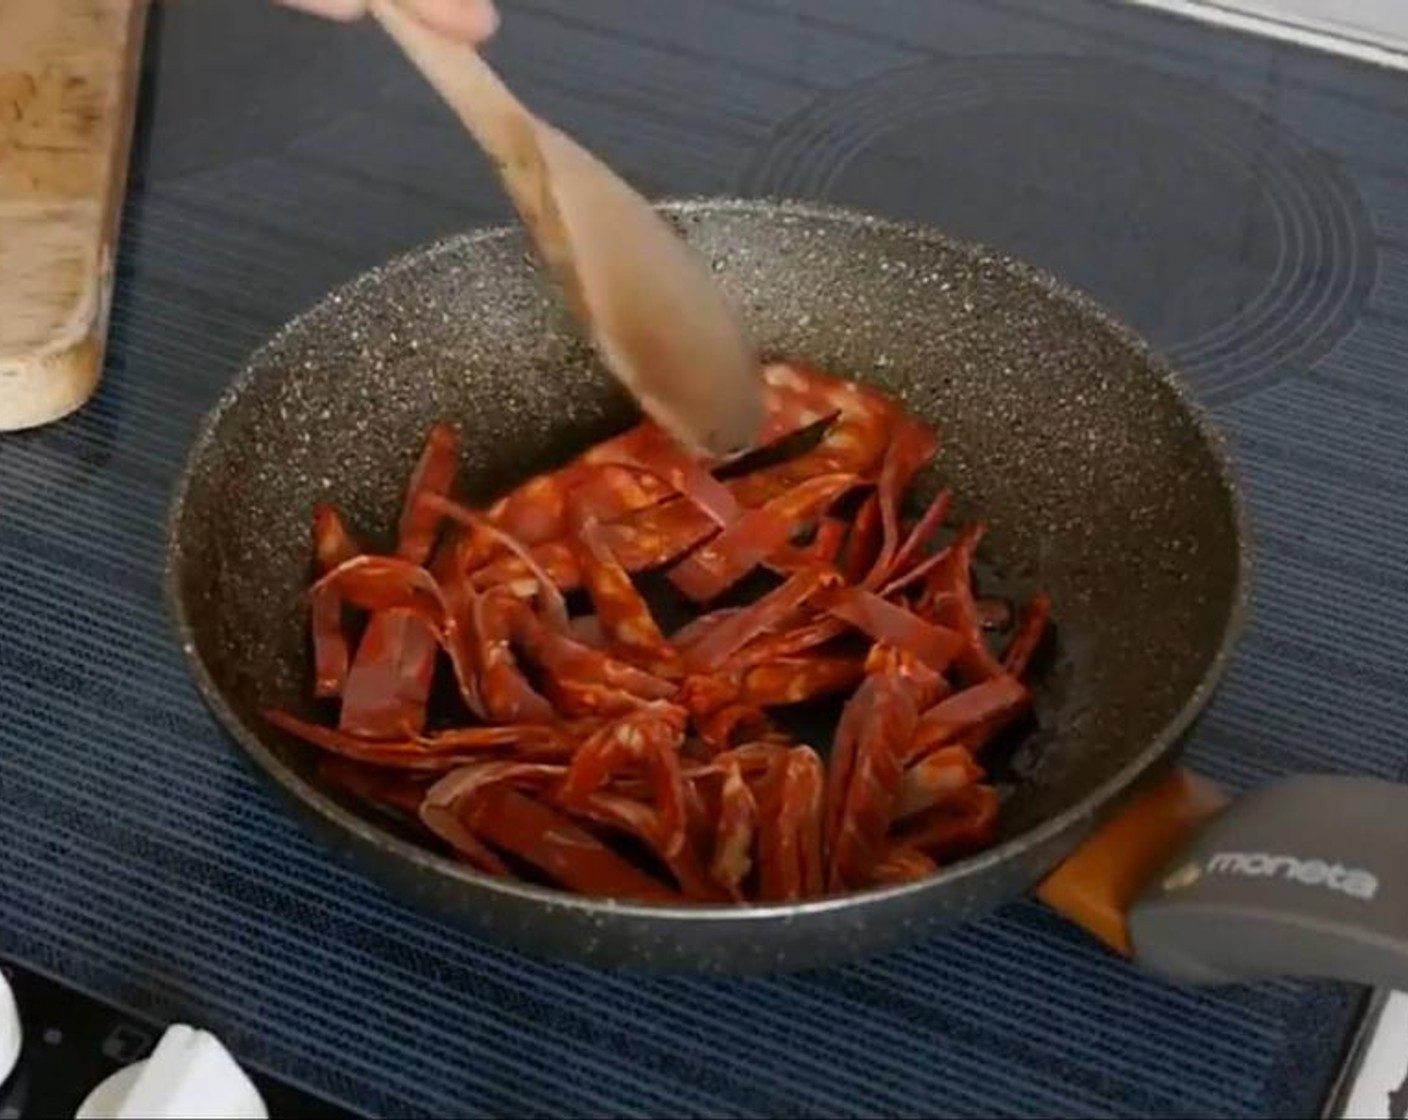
(606, 755)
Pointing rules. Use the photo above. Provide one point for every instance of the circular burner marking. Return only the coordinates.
(1234, 246)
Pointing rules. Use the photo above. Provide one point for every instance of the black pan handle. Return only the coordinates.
(1305, 877)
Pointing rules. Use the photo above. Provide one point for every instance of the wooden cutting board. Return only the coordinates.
(68, 83)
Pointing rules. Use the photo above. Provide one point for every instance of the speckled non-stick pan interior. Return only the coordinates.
(1098, 480)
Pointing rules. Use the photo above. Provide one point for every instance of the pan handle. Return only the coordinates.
(1304, 877)
(1307, 876)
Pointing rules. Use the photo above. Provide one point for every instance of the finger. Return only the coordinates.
(332, 9)
(470, 20)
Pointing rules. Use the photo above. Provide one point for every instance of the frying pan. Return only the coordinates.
(1101, 483)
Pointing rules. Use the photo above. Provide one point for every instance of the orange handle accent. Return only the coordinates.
(1097, 885)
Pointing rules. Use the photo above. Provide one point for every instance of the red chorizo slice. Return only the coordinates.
(1031, 628)
(795, 680)
(716, 566)
(505, 692)
(388, 683)
(633, 818)
(873, 790)
(790, 834)
(954, 605)
(920, 536)
(333, 544)
(438, 752)
(963, 822)
(901, 863)
(863, 545)
(631, 630)
(934, 777)
(434, 474)
(1002, 697)
(564, 852)
(885, 622)
(737, 826)
(741, 627)
(911, 446)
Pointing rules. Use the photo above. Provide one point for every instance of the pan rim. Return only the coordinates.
(1084, 812)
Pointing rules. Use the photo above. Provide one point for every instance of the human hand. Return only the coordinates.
(473, 21)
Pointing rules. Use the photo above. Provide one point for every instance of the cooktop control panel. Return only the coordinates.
(59, 1045)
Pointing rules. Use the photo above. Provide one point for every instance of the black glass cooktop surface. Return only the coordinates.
(1241, 202)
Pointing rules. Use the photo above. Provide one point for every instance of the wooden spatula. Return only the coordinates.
(649, 304)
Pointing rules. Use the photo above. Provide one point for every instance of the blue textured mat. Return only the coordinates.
(1243, 203)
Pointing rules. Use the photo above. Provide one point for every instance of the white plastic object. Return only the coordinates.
(190, 1074)
(11, 1034)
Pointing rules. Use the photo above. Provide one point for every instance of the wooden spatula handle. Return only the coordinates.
(507, 131)
(496, 118)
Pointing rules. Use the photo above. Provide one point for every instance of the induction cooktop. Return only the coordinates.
(1239, 200)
